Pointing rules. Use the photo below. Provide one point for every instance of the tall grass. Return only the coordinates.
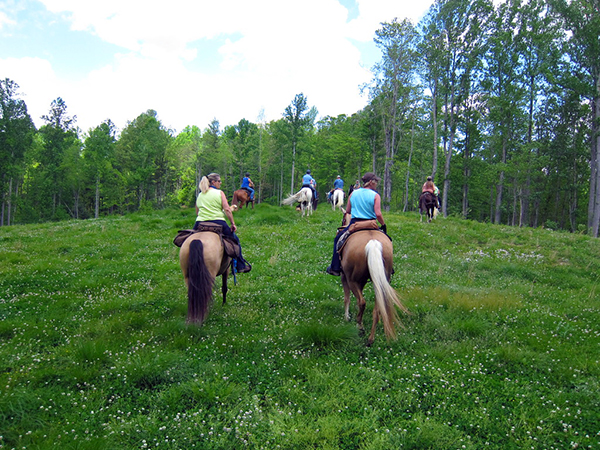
(501, 350)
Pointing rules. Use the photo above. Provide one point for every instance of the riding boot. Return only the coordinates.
(242, 266)
(335, 267)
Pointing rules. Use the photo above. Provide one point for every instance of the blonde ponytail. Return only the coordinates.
(204, 185)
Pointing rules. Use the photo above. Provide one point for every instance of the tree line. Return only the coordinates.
(499, 103)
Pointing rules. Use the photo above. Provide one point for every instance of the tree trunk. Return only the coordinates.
(594, 201)
(406, 183)
(466, 175)
(9, 218)
(97, 205)
(435, 131)
(293, 165)
(500, 187)
(447, 174)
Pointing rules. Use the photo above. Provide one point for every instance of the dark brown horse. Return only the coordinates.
(241, 197)
(369, 255)
(202, 259)
(428, 205)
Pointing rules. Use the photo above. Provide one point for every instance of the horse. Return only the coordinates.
(304, 197)
(337, 199)
(241, 197)
(428, 205)
(368, 254)
(202, 258)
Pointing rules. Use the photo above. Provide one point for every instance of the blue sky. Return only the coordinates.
(192, 60)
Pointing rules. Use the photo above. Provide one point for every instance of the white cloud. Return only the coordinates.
(37, 82)
(270, 51)
(4, 20)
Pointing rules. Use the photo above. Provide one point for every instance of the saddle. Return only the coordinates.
(355, 227)
(231, 248)
(428, 194)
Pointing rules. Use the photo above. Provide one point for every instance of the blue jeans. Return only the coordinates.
(249, 189)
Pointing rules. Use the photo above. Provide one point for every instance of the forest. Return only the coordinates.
(500, 103)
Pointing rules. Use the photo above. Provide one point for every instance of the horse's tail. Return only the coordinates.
(339, 199)
(422, 206)
(292, 198)
(234, 201)
(200, 284)
(386, 297)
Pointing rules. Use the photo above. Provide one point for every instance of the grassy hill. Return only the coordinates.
(501, 349)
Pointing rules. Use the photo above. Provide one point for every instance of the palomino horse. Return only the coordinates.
(241, 197)
(369, 254)
(304, 197)
(202, 257)
(337, 199)
(428, 205)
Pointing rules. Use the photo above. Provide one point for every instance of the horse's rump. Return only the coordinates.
(362, 225)
(368, 256)
(353, 254)
(202, 259)
(230, 246)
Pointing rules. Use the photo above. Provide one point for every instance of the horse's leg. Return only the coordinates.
(374, 327)
(347, 293)
(360, 301)
(224, 286)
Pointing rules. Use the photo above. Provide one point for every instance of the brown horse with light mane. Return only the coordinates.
(202, 258)
(241, 197)
(369, 255)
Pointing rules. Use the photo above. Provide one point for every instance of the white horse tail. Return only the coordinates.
(294, 198)
(386, 297)
(338, 199)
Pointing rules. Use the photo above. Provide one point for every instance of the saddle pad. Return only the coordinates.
(232, 248)
(362, 226)
(182, 235)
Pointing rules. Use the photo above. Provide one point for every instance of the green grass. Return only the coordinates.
(501, 349)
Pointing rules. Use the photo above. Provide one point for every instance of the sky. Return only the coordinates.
(193, 61)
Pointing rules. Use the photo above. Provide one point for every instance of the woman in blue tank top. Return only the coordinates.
(363, 204)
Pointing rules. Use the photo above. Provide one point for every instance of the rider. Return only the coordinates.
(337, 184)
(430, 187)
(212, 207)
(248, 184)
(365, 204)
(309, 182)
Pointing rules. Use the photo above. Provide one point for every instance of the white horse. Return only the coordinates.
(337, 199)
(304, 197)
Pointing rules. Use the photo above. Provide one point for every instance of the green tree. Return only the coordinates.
(98, 155)
(581, 24)
(185, 156)
(394, 88)
(16, 137)
(49, 182)
(141, 155)
(460, 31)
(298, 121)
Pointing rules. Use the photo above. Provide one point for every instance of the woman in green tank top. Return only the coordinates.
(212, 206)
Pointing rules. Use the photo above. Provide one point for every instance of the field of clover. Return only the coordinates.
(501, 349)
